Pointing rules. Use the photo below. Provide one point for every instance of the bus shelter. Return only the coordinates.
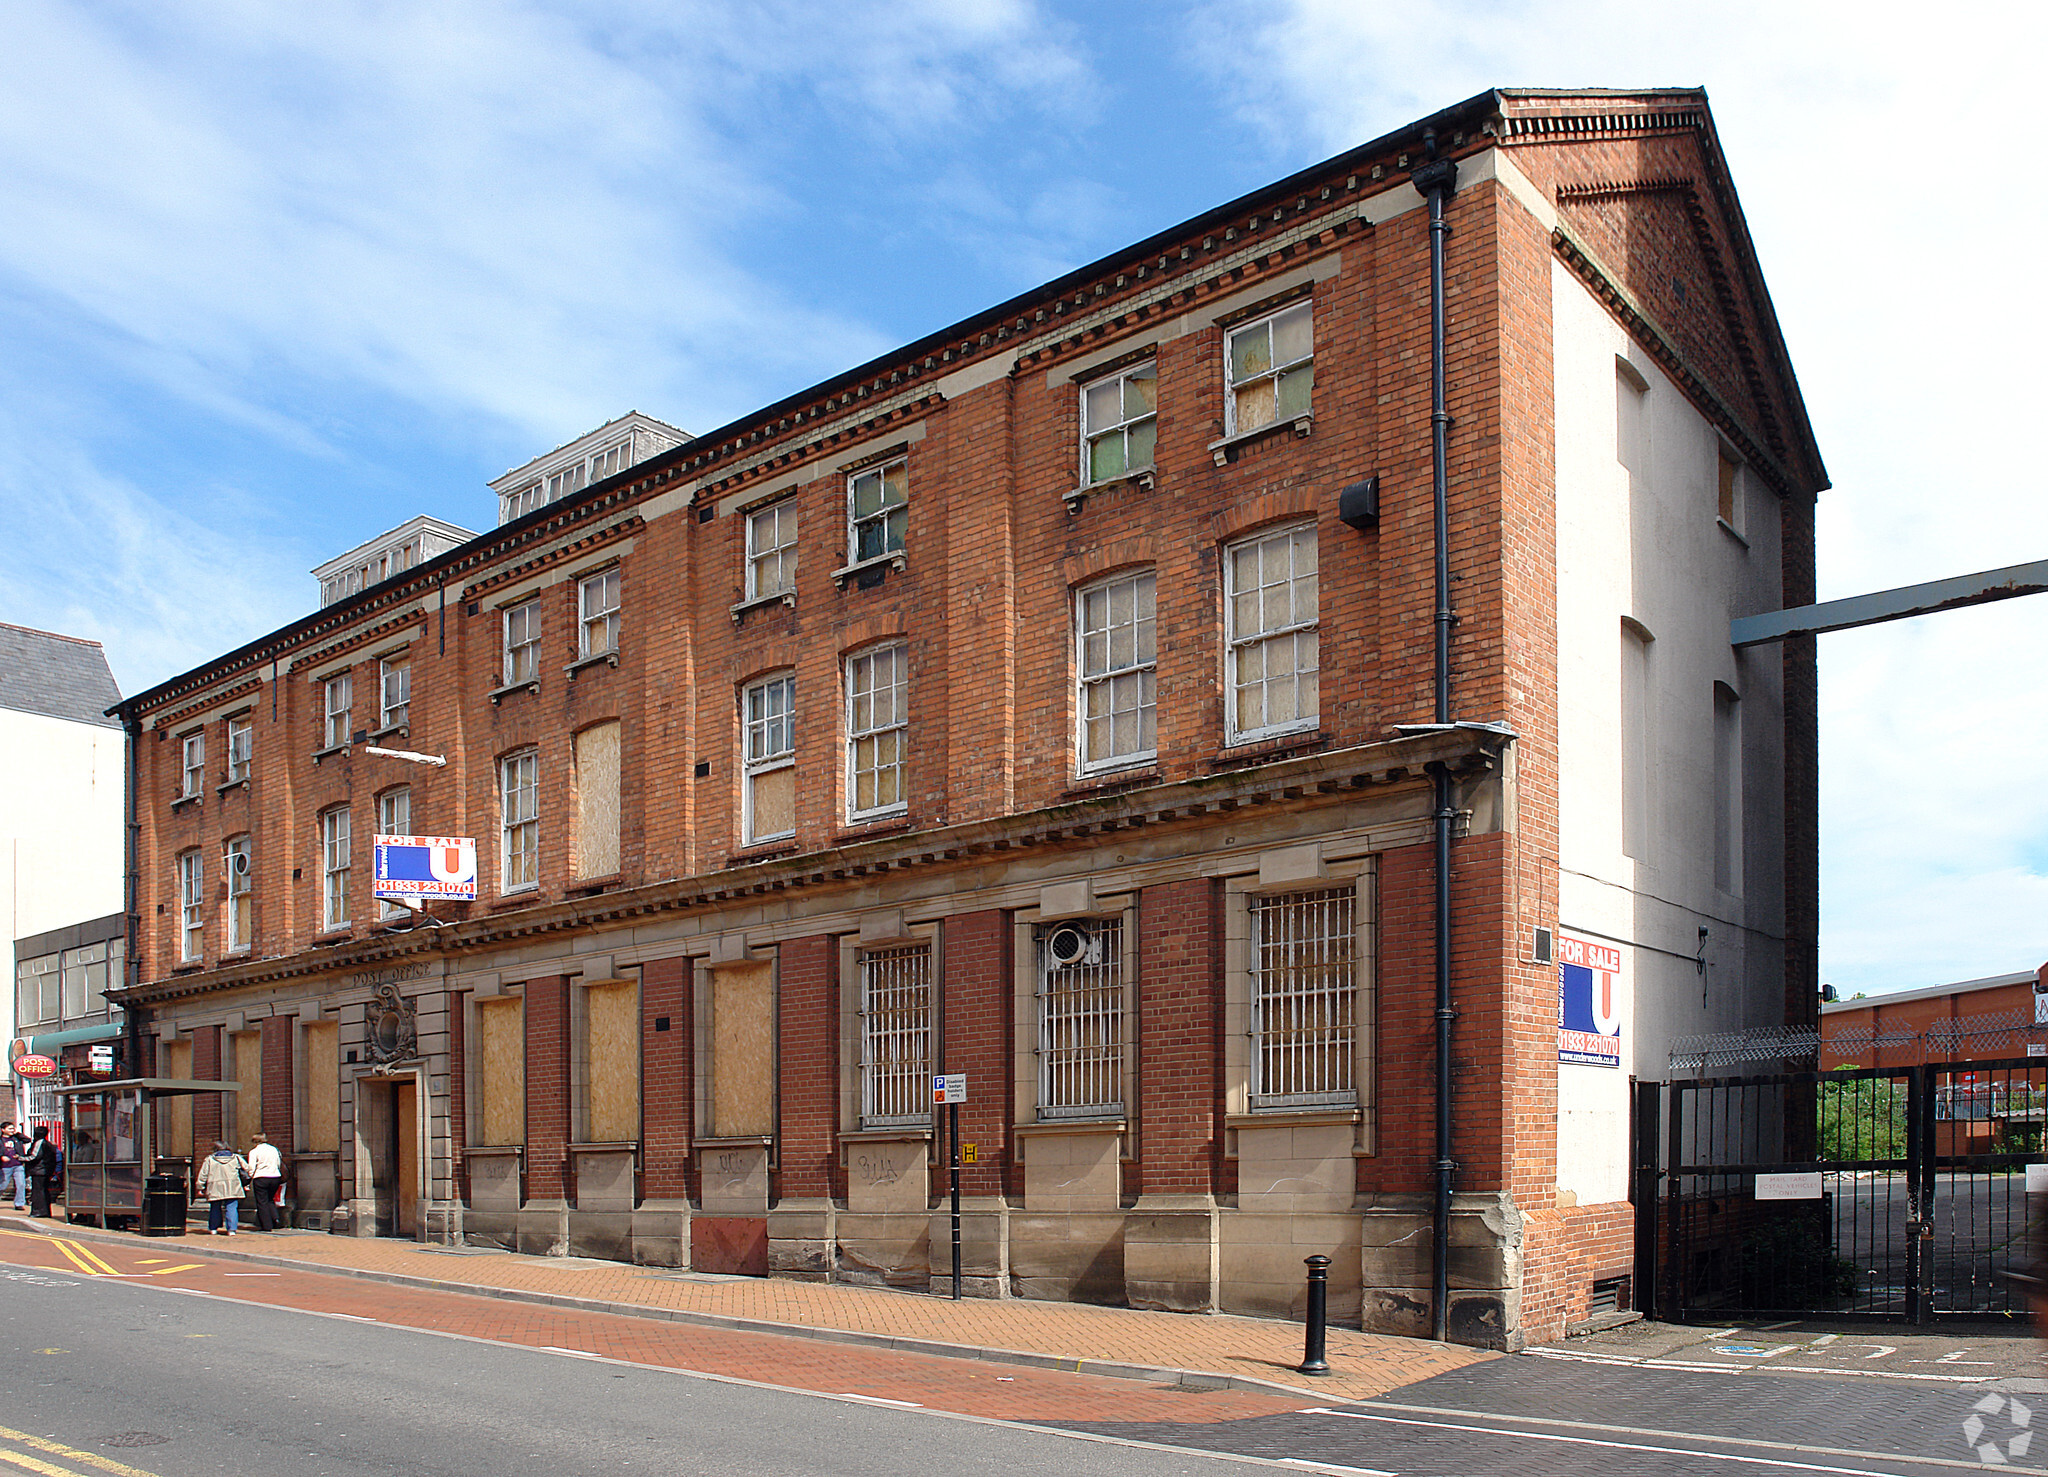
(113, 1142)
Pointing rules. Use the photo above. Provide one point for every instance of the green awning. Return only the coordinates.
(49, 1043)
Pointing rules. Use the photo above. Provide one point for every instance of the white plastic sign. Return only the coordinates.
(1802, 1186)
(950, 1088)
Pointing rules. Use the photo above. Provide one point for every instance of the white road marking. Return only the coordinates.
(1688, 1451)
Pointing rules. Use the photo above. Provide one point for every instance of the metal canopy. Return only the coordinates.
(155, 1086)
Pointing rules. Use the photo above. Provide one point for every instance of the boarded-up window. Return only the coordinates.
(174, 1114)
(501, 1071)
(612, 1037)
(597, 801)
(742, 1050)
(246, 1106)
(320, 1065)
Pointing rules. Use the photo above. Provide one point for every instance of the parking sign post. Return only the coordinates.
(951, 1089)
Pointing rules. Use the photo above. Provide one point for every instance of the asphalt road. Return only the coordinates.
(144, 1376)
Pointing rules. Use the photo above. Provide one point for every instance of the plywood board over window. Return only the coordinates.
(246, 1106)
(174, 1114)
(612, 1011)
(501, 1068)
(597, 802)
(320, 1064)
(742, 1050)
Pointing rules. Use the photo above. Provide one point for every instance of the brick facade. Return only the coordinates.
(1186, 1192)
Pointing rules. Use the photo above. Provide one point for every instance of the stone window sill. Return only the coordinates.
(762, 602)
(1143, 478)
(904, 1134)
(179, 802)
(600, 659)
(1046, 1126)
(1225, 451)
(891, 824)
(878, 566)
(1731, 530)
(1268, 750)
(329, 752)
(524, 898)
(499, 694)
(224, 787)
(1146, 773)
(395, 730)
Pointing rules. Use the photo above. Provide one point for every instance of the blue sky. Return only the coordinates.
(273, 279)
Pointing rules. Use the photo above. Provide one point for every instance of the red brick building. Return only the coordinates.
(1984, 1020)
(1020, 705)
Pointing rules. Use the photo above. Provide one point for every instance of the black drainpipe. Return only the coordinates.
(1437, 179)
(131, 963)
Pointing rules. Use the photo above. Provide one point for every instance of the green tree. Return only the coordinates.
(1861, 1117)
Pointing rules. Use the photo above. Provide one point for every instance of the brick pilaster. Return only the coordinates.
(1179, 1035)
(666, 1101)
(807, 1066)
(547, 1088)
(979, 1021)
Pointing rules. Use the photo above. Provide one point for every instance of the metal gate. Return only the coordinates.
(1892, 1193)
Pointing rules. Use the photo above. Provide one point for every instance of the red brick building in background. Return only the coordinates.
(1983, 1020)
(1020, 705)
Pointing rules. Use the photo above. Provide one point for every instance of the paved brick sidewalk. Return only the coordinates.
(1248, 1353)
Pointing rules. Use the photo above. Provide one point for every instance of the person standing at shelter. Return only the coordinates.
(11, 1175)
(223, 1177)
(39, 1163)
(266, 1178)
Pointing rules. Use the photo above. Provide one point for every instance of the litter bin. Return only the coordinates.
(163, 1205)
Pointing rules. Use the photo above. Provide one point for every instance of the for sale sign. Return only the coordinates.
(1588, 1003)
(425, 867)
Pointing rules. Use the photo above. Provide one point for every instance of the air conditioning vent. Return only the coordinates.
(1073, 943)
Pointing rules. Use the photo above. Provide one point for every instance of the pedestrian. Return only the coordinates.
(223, 1179)
(39, 1163)
(266, 1178)
(11, 1146)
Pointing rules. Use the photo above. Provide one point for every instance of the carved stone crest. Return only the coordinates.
(390, 1030)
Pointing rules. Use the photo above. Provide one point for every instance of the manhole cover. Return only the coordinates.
(134, 1438)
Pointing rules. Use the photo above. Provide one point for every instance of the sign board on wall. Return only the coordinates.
(1588, 1003)
(425, 867)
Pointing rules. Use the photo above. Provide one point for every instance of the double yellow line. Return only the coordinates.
(58, 1449)
(84, 1258)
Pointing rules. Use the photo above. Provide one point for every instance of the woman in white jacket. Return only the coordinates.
(223, 1178)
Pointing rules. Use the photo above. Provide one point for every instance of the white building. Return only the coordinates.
(60, 813)
(575, 465)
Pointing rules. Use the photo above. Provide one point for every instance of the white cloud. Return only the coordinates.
(521, 217)
(1879, 166)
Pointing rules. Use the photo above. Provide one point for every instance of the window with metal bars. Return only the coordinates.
(895, 1035)
(1304, 998)
(1081, 1026)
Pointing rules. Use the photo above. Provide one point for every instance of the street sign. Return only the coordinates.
(950, 1088)
(99, 1059)
(970, 1153)
(424, 867)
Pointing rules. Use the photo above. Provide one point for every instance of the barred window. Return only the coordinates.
(877, 725)
(394, 818)
(1270, 609)
(1304, 998)
(1081, 1019)
(1117, 658)
(895, 1035)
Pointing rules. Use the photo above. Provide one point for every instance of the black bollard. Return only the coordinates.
(1312, 1361)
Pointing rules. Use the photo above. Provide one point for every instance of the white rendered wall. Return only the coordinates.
(1658, 555)
(60, 829)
